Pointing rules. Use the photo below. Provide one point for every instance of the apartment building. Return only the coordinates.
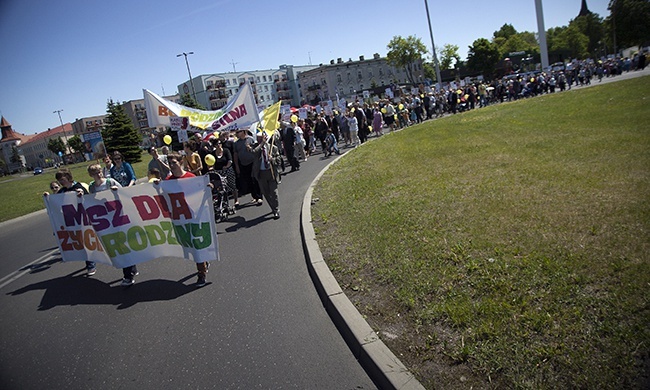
(269, 86)
(348, 79)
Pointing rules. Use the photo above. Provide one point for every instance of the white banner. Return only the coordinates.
(240, 112)
(136, 224)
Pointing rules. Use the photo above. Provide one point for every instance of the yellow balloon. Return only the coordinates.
(167, 139)
(383, 110)
(209, 159)
(401, 106)
(294, 118)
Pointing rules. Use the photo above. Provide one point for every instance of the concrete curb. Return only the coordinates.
(379, 362)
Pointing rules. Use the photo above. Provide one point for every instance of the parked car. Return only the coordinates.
(38, 170)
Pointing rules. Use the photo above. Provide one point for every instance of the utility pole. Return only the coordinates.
(188, 72)
(433, 49)
(233, 65)
(543, 48)
(64, 135)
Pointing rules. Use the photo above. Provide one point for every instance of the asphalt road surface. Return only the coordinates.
(259, 323)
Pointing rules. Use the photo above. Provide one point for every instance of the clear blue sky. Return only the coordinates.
(73, 55)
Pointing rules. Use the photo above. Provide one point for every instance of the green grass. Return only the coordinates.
(23, 194)
(505, 247)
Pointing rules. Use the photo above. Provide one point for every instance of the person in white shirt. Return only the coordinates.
(101, 183)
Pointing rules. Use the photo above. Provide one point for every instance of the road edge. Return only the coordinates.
(379, 362)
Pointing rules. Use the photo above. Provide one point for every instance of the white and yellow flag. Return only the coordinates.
(240, 112)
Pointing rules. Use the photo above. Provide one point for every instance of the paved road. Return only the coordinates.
(258, 324)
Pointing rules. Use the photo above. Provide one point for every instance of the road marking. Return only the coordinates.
(25, 269)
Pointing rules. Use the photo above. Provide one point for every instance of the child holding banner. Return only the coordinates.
(101, 183)
(68, 184)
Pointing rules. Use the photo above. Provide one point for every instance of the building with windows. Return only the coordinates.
(214, 90)
(36, 153)
(350, 78)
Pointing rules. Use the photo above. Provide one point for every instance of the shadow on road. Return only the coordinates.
(74, 289)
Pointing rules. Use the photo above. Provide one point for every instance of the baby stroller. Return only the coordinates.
(220, 196)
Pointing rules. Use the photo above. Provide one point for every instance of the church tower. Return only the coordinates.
(584, 11)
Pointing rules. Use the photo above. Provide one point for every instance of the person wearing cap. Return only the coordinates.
(159, 162)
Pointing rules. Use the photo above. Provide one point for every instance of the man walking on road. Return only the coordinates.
(265, 170)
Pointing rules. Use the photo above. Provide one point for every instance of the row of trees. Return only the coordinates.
(585, 36)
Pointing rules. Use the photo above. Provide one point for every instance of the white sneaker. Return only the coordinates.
(127, 282)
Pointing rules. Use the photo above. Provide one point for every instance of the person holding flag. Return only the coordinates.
(265, 171)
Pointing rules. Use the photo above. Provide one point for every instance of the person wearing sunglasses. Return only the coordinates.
(122, 171)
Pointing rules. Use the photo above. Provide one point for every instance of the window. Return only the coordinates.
(264, 77)
(338, 78)
(227, 82)
(359, 76)
(258, 79)
(266, 88)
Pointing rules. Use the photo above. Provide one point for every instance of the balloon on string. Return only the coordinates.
(383, 110)
(210, 160)
(294, 118)
(167, 139)
(401, 106)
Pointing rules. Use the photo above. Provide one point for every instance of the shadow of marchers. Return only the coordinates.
(240, 223)
(42, 266)
(73, 290)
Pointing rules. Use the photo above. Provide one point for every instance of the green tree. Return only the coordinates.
(523, 41)
(56, 145)
(75, 143)
(483, 56)
(505, 32)
(405, 53)
(188, 101)
(570, 42)
(628, 22)
(15, 156)
(120, 135)
(449, 56)
(429, 71)
(593, 27)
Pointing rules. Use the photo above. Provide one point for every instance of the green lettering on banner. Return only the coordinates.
(115, 244)
(137, 238)
(169, 228)
(203, 234)
(155, 234)
(184, 234)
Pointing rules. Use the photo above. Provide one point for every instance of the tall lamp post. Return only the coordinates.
(64, 136)
(188, 72)
(433, 47)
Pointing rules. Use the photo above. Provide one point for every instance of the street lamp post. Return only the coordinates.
(64, 135)
(188, 72)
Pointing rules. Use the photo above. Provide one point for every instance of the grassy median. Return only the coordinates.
(23, 194)
(506, 247)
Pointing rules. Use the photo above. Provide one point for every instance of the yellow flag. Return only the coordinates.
(269, 119)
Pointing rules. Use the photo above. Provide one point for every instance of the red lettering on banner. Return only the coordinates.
(147, 207)
(179, 206)
(164, 207)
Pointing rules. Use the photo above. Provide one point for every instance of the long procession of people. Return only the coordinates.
(243, 162)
